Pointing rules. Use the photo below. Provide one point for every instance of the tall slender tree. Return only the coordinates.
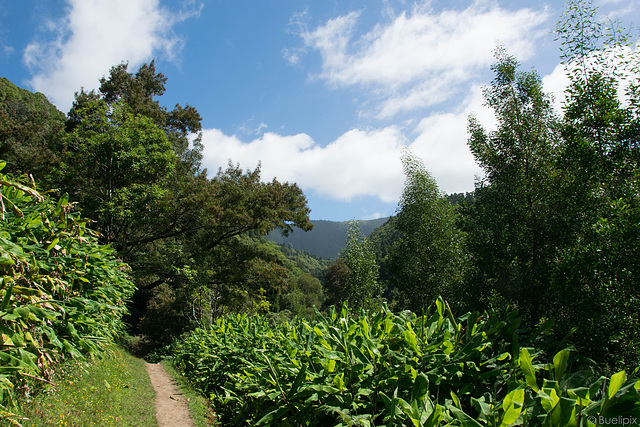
(427, 259)
(596, 281)
(512, 225)
(362, 288)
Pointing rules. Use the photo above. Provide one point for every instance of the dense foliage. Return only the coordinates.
(62, 293)
(306, 261)
(427, 258)
(512, 226)
(30, 131)
(132, 168)
(346, 369)
(361, 287)
(553, 228)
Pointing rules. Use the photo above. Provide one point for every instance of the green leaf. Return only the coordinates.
(560, 361)
(338, 380)
(512, 406)
(53, 244)
(273, 416)
(298, 381)
(615, 383)
(435, 418)
(456, 400)
(465, 420)
(420, 387)
(410, 339)
(7, 295)
(548, 401)
(527, 369)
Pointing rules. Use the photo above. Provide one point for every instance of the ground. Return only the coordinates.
(171, 406)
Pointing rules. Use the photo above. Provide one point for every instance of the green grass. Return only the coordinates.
(114, 390)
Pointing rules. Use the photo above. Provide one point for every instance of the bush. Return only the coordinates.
(349, 369)
(62, 294)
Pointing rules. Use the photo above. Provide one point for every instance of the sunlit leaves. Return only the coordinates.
(62, 294)
(598, 197)
(511, 223)
(389, 369)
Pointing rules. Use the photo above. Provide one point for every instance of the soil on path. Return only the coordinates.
(171, 407)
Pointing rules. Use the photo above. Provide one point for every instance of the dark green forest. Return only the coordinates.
(111, 228)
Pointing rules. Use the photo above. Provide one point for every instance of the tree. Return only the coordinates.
(304, 292)
(129, 162)
(30, 131)
(198, 246)
(512, 227)
(382, 239)
(427, 259)
(335, 282)
(361, 288)
(597, 271)
(117, 165)
(554, 225)
(138, 91)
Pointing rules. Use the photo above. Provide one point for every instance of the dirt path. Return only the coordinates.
(171, 408)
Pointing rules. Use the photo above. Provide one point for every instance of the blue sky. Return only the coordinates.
(323, 93)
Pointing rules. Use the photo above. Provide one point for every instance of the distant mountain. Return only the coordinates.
(327, 238)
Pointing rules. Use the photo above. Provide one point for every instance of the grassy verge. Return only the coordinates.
(199, 408)
(114, 390)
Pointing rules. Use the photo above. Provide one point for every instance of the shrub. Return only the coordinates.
(62, 294)
(349, 369)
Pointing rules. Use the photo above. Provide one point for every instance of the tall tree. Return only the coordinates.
(512, 227)
(335, 281)
(427, 259)
(117, 164)
(362, 287)
(598, 270)
(130, 164)
(139, 92)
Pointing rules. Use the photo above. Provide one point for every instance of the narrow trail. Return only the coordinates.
(171, 407)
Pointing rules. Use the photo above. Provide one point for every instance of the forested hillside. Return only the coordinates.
(30, 131)
(326, 239)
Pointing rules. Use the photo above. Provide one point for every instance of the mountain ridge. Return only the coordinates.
(327, 238)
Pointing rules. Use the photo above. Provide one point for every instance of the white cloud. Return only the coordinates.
(423, 94)
(332, 40)
(95, 35)
(441, 142)
(555, 84)
(358, 163)
(420, 58)
(416, 59)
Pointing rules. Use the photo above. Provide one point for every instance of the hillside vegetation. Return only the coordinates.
(326, 239)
